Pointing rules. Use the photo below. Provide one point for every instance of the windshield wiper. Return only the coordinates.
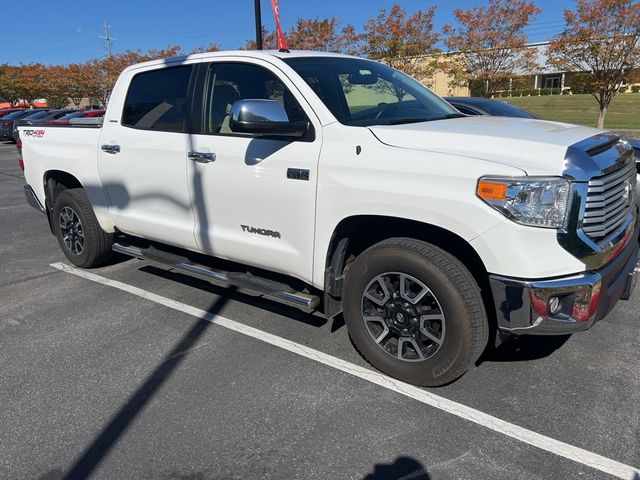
(452, 115)
(399, 121)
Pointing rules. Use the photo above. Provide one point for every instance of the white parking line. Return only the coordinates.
(579, 455)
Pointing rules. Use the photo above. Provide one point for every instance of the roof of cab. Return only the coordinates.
(265, 54)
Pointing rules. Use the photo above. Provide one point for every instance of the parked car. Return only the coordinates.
(34, 115)
(66, 119)
(39, 118)
(293, 175)
(6, 122)
(7, 111)
(487, 106)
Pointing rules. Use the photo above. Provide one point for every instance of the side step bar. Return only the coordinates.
(270, 289)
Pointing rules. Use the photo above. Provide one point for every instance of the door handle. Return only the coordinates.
(112, 149)
(202, 157)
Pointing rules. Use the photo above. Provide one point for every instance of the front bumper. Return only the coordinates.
(522, 306)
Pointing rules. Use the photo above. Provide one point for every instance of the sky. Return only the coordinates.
(64, 31)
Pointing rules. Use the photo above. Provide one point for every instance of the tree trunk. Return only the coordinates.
(601, 115)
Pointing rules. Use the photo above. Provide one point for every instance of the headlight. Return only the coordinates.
(537, 202)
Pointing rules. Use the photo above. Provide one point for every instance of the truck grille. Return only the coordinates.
(610, 199)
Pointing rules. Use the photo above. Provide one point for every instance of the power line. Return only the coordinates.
(108, 40)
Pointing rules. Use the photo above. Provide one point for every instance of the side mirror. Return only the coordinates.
(264, 117)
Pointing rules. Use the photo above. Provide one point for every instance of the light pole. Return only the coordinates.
(258, 25)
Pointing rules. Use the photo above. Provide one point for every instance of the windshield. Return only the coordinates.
(71, 115)
(363, 93)
(19, 113)
(37, 115)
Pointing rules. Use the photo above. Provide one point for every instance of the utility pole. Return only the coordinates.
(108, 40)
(256, 4)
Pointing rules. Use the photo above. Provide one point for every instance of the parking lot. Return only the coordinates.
(131, 371)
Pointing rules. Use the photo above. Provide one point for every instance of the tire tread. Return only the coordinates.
(464, 281)
(97, 242)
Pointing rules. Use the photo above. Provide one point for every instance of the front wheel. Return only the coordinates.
(414, 312)
(79, 234)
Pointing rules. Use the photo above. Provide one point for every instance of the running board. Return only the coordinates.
(267, 288)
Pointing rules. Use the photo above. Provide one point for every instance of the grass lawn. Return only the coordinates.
(623, 113)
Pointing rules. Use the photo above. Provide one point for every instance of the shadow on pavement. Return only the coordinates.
(526, 347)
(402, 468)
(102, 444)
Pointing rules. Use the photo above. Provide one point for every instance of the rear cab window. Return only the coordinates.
(157, 100)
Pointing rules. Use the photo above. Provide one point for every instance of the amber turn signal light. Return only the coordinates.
(491, 190)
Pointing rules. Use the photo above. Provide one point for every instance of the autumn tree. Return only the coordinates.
(105, 72)
(488, 44)
(269, 40)
(322, 35)
(212, 47)
(29, 82)
(77, 82)
(404, 42)
(9, 83)
(56, 86)
(601, 37)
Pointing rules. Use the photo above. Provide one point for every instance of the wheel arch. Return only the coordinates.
(355, 234)
(55, 182)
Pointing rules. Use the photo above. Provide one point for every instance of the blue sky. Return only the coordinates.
(64, 31)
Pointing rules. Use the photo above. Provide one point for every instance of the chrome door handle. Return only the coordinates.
(202, 157)
(112, 149)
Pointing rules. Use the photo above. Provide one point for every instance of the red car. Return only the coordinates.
(80, 114)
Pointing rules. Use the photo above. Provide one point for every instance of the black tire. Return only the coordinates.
(96, 245)
(448, 281)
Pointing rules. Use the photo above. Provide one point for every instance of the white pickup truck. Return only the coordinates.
(338, 184)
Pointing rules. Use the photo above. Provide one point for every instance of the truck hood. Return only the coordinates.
(536, 146)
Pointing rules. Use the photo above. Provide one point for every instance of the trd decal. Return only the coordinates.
(33, 133)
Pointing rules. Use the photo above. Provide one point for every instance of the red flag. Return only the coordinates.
(282, 42)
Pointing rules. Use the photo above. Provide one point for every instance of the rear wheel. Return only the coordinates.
(79, 234)
(414, 312)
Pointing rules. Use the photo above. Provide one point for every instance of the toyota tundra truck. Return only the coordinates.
(338, 184)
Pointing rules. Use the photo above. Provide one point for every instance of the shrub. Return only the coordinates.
(476, 88)
(555, 91)
(635, 89)
(581, 83)
(545, 91)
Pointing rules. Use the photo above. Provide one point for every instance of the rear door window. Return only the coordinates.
(157, 100)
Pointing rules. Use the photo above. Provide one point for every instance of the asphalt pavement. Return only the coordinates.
(120, 375)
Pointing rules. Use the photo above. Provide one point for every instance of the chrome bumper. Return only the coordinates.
(523, 306)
